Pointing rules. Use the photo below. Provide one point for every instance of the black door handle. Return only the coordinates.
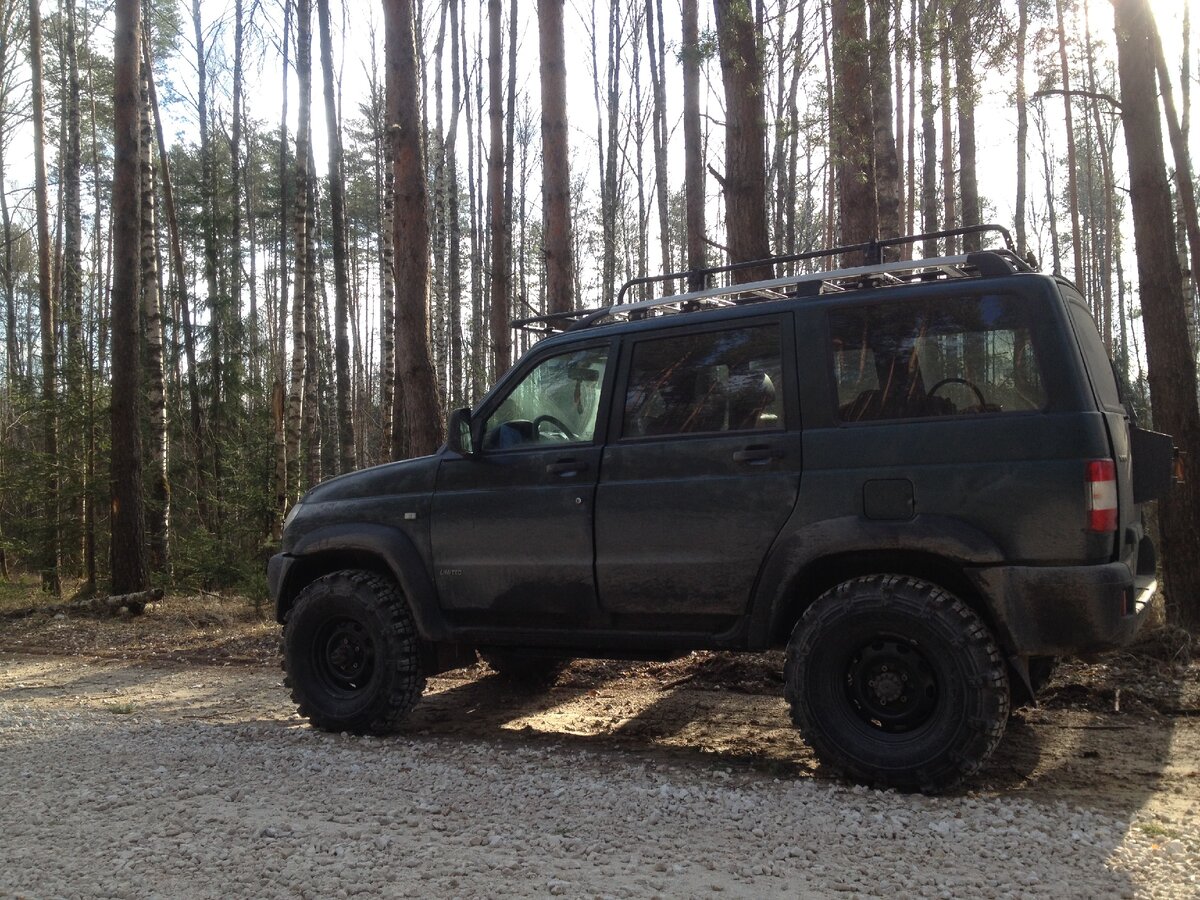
(757, 454)
(566, 467)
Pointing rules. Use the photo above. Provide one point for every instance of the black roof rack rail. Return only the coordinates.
(986, 263)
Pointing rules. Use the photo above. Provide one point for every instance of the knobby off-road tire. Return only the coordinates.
(351, 654)
(523, 667)
(897, 683)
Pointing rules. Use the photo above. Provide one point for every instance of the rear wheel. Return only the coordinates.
(896, 682)
(351, 654)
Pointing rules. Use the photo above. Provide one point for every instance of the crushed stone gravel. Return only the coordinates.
(98, 803)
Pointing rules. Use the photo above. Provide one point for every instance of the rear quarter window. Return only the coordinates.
(934, 357)
(1095, 357)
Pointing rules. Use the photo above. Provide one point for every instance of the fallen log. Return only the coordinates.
(134, 604)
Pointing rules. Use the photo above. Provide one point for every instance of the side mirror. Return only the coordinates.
(458, 433)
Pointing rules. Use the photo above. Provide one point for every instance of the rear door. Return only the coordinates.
(700, 472)
(1122, 432)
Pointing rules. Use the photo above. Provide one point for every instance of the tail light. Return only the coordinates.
(1102, 495)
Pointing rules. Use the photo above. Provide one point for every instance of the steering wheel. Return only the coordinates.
(557, 423)
(978, 393)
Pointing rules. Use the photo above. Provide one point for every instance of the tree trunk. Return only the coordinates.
(128, 551)
(887, 162)
(455, 391)
(341, 278)
(312, 370)
(929, 204)
(1184, 185)
(949, 206)
(158, 505)
(1068, 122)
(1172, 370)
(279, 411)
(500, 314)
(72, 274)
(556, 174)
(216, 308)
(51, 549)
(417, 425)
(658, 60)
(964, 79)
(693, 148)
(1048, 179)
(195, 413)
(479, 357)
(235, 204)
(1022, 127)
(853, 139)
(745, 180)
(301, 201)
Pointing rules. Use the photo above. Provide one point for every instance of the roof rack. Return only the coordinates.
(873, 273)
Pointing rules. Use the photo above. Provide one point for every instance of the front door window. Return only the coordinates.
(556, 403)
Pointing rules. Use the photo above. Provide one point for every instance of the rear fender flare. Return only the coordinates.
(781, 587)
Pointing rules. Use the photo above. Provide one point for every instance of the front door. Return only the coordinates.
(512, 525)
(700, 475)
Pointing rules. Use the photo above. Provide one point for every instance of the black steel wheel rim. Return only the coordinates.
(343, 655)
(891, 684)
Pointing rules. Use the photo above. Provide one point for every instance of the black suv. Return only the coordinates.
(918, 476)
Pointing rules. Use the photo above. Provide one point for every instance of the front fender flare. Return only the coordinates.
(391, 546)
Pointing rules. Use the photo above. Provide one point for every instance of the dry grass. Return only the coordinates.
(196, 627)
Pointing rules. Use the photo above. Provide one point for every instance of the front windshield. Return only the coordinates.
(556, 403)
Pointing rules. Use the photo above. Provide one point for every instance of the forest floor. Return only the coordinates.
(1107, 765)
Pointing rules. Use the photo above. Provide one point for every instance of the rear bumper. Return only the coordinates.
(1065, 610)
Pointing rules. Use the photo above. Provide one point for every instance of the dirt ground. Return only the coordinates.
(1121, 733)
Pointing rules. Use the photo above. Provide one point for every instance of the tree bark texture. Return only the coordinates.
(693, 147)
(887, 160)
(51, 547)
(341, 277)
(1184, 186)
(929, 201)
(1022, 103)
(216, 306)
(853, 139)
(1069, 124)
(964, 82)
(416, 421)
(129, 564)
(158, 505)
(499, 316)
(1172, 370)
(745, 180)
(556, 170)
(300, 225)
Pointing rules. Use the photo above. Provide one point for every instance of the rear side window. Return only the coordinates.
(715, 381)
(1100, 368)
(935, 357)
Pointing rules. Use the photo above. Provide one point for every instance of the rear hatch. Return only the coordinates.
(1142, 458)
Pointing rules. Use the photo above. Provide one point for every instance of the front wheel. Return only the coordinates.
(896, 682)
(352, 655)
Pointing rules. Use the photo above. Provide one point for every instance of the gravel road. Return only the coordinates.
(161, 781)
